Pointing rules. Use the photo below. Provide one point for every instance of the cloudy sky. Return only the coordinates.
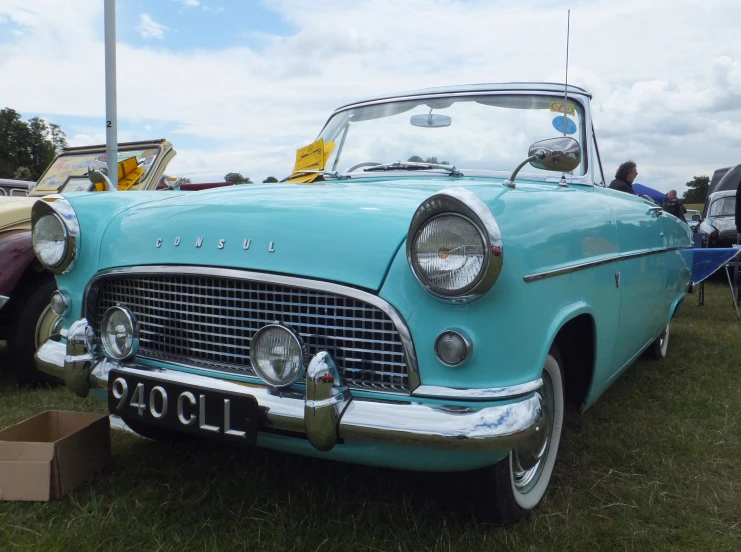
(238, 85)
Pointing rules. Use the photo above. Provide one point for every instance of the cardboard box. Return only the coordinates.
(50, 454)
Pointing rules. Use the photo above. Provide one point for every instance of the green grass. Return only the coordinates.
(654, 465)
(695, 206)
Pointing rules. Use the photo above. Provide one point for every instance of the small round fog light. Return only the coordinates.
(58, 303)
(452, 347)
(119, 333)
(278, 355)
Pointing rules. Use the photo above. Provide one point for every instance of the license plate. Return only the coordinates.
(183, 408)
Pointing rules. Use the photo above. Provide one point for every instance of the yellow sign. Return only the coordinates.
(557, 107)
(311, 158)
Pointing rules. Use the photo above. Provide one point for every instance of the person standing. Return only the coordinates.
(624, 177)
(673, 205)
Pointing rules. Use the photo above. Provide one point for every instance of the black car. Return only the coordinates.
(718, 226)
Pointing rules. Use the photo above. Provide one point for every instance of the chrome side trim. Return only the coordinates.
(375, 300)
(589, 264)
(3, 300)
(484, 394)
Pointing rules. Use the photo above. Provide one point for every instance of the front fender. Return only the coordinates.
(16, 252)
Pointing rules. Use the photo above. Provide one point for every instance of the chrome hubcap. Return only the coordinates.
(528, 460)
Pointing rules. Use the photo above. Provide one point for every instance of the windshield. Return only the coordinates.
(723, 207)
(70, 169)
(472, 132)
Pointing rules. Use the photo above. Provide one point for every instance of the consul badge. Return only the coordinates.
(220, 244)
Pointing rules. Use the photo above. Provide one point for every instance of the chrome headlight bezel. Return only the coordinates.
(463, 203)
(57, 206)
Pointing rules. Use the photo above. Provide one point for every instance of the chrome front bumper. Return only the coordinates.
(326, 413)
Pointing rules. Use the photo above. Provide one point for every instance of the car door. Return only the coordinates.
(641, 276)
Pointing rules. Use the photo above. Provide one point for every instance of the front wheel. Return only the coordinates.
(516, 485)
(33, 325)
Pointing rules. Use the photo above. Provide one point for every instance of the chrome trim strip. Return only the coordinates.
(589, 264)
(3, 300)
(375, 300)
(484, 394)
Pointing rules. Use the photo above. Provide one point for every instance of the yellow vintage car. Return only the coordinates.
(26, 317)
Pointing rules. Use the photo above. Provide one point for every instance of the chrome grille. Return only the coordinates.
(208, 322)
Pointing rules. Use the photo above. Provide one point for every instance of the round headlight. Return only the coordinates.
(119, 333)
(278, 355)
(454, 245)
(448, 253)
(50, 240)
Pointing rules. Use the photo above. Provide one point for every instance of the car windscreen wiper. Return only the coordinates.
(412, 166)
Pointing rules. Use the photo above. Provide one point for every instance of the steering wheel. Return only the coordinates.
(367, 164)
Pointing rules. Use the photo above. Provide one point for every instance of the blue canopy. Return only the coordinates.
(656, 195)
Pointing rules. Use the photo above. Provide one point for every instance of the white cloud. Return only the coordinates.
(188, 3)
(666, 76)
(149, 28)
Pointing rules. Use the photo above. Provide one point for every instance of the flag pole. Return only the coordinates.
(111, 138)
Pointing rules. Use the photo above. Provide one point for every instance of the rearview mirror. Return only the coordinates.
(431, 120)
(556, 154)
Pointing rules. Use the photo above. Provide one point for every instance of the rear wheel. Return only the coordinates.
(34, 324)
(511, 489)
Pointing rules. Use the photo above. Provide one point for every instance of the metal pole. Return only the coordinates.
(111, 131)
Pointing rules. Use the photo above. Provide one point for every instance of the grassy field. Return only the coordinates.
(695, 206)
(654, 465)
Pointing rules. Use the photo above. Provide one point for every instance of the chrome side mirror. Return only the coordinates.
(97, 172)
(554, 154)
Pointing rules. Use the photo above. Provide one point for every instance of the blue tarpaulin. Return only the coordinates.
(705, 261)
(656, 195)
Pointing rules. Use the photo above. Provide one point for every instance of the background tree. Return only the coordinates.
(270, 179)
(418, 159)
(27, 148)
(697, 190)
(236, 178)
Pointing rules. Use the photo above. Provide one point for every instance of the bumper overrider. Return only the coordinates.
(326, 413)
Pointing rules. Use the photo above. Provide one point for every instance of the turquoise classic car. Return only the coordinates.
(441, 276)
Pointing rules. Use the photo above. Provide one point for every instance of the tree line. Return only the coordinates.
(27, 147)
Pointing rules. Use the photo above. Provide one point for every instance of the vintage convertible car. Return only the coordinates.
(432, 314)
(26, 318)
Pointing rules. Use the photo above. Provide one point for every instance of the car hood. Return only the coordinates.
(15, 213)
(342, 231)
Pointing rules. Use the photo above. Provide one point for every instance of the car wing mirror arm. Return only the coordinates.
(540, 154)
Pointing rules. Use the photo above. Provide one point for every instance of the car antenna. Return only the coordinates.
(562, 183)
